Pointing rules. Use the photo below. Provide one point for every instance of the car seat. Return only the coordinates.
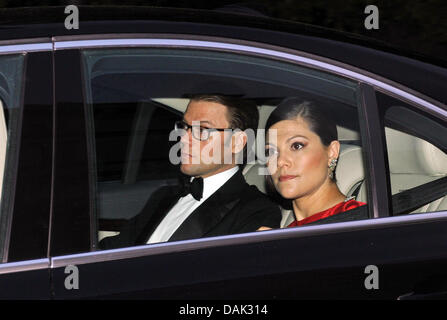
(413, 162)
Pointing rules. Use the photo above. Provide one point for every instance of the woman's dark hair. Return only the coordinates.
(293, 108)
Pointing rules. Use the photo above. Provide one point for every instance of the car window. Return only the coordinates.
(417, 157)
(128, 169)
(134, 96)
(11, 76)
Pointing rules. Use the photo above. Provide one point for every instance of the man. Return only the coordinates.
(221, 201)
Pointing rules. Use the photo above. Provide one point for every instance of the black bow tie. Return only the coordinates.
(195, 188)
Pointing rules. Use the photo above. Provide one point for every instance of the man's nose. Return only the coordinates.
(186, 137)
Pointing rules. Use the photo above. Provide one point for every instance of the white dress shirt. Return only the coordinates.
(187, 204)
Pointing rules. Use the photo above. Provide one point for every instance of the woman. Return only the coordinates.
(302, 150)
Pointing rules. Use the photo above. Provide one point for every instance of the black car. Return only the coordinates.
(85, 123)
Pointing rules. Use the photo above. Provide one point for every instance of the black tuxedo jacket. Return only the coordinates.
(236, 207)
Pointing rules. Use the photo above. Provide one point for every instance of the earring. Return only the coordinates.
(331, 167)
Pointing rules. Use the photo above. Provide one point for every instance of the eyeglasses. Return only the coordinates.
(198, 132)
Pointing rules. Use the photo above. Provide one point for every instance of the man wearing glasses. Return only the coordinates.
(214, 198)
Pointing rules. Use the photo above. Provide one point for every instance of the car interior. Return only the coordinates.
(413, 162)
(116, 198)
(137, 86)
(150, 80)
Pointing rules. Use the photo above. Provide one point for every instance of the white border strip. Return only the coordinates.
(31, 47)
(59, 45)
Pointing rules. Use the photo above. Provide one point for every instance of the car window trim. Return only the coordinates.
(244, 47)
(62, 212)
(239, 239)
(91, 156)
(11, 47)
(374, 146)
(28, 47)
(26, 265)
(27, 98)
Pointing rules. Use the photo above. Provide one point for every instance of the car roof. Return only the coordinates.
(421, 73)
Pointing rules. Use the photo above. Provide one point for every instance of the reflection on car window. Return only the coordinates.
(132, 149)
(136, 95)
(3, 143)
(417, 158)
(11, 78)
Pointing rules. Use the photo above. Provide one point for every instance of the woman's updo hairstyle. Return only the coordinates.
(293, 108)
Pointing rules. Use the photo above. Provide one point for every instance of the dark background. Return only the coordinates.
(415, 25)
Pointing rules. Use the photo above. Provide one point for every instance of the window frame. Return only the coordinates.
(11, 161)
(367, 81)
(374, 144)
(72, 220)
(415, 133)
(24, 47)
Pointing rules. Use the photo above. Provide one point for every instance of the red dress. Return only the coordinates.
(338, 208)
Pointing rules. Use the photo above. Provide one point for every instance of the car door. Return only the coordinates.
(379, 257)
(26, 90)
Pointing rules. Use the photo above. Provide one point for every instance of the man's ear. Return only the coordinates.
(238, 140)
(334, 150)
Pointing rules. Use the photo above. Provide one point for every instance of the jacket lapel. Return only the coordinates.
(159, 211)
(212, 211)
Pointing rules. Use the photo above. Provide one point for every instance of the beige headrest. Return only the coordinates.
(252, 176)
(411, 155)
(349, 171)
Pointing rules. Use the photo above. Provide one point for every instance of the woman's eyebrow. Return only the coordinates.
(297, 136)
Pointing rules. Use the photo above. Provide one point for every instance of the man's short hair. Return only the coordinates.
(243, 114)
